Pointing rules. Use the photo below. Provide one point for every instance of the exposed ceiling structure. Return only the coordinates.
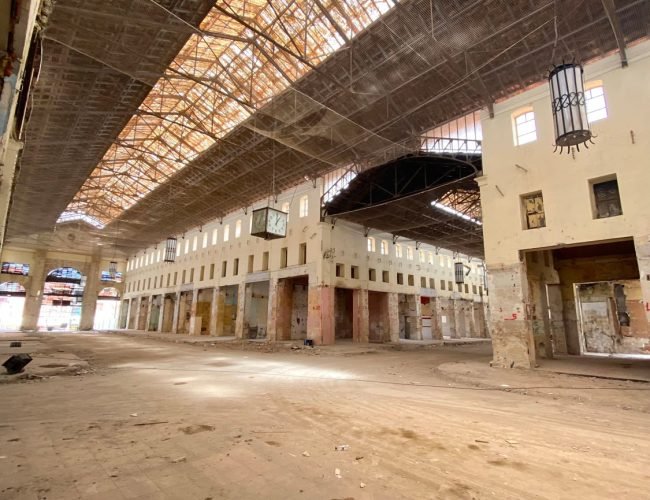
(131, 133)
(426, 197)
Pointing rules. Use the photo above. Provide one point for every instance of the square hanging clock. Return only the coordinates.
(269, 223)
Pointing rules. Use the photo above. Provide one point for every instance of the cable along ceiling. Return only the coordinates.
(243, 54)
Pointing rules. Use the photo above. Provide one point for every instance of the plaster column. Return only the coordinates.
(321, 315)
(510, 328)
(91, 290)
(273, 311)
(451, 318)
(417, 318)
(214, 312)
(177, 313)
(147, 319)
(360, 316)
(393, 317)
(283, 309)
(34, 293)
(195, 321)
(161, 314)
(241, 311)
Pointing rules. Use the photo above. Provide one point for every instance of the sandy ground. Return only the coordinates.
(154, 420)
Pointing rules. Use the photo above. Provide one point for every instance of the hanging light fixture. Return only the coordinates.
(459, 272)
(112, 269)
(569, 108)
(170, 249)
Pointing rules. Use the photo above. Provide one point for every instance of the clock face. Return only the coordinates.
(277, 223)
(259, 221)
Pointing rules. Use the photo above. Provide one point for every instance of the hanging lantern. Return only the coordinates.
(170, 249)
(112, 269)
(568, 105)
(459, 272)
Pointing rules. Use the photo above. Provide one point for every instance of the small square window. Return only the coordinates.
(302, 254)
(411, 280)
(354, 272)
(442, 285)
(224, 268)
(432, 283)
(283, 257)
(265, 261)
(372, 275)
(533, 207)
(606, 199)
(340, 270)
(400, 279)
(423, 282)
(385, 277)
(235, 267)
(251, 263)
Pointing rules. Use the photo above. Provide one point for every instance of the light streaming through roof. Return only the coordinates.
(247, 52)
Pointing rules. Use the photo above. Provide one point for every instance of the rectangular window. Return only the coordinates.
(480, 290)
(215, 233)
(411, 279)
(606, 199)
(226, 232)
(423, 282)
(450, 287)
(175, 277)
(202, 273)
(459, 286)
(372, 275)
(224, 268)
(466, 288)
(187, 246)
(400, 279)
(238, 228)
(235, 267)
(431, 258)
(304, 206)
(283, 257)
(474, 289)
(168, 278)
(251, 263)
(191, 276)
(195, 243)
(533, 207)
(205, 240)
(525, 129)
(595, 104)
(409, 253)
(354, 272)
(183, 276)
(148, 283)
(155, 282)
(371, 244)
(161, 281)
(340, 271)
(432, 283)
(265, 261)
(211, 271)
(385, 277)
(423, 256)
(383, 247)
(398, 251)
(442, 285)
(302, 254)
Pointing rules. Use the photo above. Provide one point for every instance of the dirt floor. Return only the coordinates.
(152, 419)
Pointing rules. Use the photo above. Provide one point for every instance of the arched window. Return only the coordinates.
(383, 248)
(304, 206)
(524, 128)
(371, 244)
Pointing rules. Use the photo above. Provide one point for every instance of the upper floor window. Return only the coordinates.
(304, 206)
(187, 246)
(398, 251)
(524, 127)
(226, 232)
(533, 206)
(606, 198)
(371, 244)
(238, 228)
(215, 233)
(430, 257)
(595, 103)
(195, 243)
(423, 256)
(205, 240)
(383, 247)
(409, 253)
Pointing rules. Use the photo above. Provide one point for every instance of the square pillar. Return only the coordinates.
(148, 316)
(510, 328)
(214, 312)
(177, 312)
(436, 327)
(241, 311)
(451, 318)
(321, 315)
(393, 317)
(91, 291)
(361, 316)
(195, 321)
(161, 314)
(273, 310)
(34, 293)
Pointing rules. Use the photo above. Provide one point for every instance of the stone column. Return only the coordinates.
(415, 308)
(320, 315)
(451, 318)
(91, 290)
(177, 312)
(510, 328)
(241, 310)
(393, 317)
(273, 310)
(34, 293)
(283, 309)
(436, 327)
(360, 316)
(147, 319)
(214, 312)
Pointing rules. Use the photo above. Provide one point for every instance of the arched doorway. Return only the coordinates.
(12, 302)
(108, 306)
(62, 298)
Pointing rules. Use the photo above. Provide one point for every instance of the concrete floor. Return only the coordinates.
(153, 419)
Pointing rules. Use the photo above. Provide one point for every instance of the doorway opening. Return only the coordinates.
(106, 312)
(292, 296)
(12, 303)
(62, 300)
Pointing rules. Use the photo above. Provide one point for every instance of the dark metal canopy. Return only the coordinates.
(397, 198)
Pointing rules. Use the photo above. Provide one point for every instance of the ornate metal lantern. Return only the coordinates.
(112, 269)
(568, 105)
(170, 249)
(459, 272)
